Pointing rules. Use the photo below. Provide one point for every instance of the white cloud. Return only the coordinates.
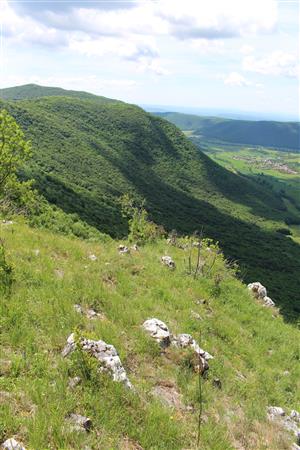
(189, 19)
(215, 19)
(247, 49)
(238, 80)
(276, 63)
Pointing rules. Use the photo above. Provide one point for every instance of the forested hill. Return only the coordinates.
(87, 153)
(266, 133)
(30, 91)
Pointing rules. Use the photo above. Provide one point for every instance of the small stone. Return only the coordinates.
(93, 257)
(80, 423)
(134, 248)
(158, 330)
(123, 249)
(275, 411)
(195, 315)
(12, 444)
(217, 383)
(168, 261)
(73, 382)
(78, 309)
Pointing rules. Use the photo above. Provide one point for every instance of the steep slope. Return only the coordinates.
(256, 355)
(86, 154)
(265, 133)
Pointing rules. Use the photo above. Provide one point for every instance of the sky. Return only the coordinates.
(235, 55)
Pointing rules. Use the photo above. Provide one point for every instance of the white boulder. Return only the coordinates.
(158, 330)
(260, 292)
(258, 289)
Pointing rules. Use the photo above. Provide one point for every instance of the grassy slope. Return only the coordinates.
(87, 153)
(253, 349)
(266, 133)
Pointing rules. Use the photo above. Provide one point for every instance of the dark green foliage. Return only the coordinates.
(266, 133)
(88, 153)
(6, 272)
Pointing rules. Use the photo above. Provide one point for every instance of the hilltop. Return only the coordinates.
(88, 152)
(285, 135)
(57, 280)
(29, 91)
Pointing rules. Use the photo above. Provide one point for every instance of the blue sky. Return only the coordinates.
(223, 54)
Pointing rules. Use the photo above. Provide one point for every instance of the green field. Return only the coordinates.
(280, 171)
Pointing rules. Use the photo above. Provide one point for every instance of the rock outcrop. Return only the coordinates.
(260, 292)
(160, 332)
(106, 354)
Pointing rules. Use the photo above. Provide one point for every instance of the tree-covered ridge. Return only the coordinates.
(266, 133)
(29, 91)
(87, 154)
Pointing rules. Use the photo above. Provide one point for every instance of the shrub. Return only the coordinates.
(141, 229)
(6, 272)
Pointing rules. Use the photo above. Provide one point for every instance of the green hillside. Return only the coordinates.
(255, 365)
(266, 133)
(30, 91)
(87, 153)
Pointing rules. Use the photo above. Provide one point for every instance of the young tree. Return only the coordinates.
(14, 150)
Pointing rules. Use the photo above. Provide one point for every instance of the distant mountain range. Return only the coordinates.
(89, 150)
(284, 135)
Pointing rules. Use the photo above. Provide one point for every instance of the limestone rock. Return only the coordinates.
(158, 330)
(79, 423)
(187, 341)
(89, 312)
(12, 444)
(258, 289)
(106, 354)
(168, 261)
(268, 301)
(260, 292)
(289, 422)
